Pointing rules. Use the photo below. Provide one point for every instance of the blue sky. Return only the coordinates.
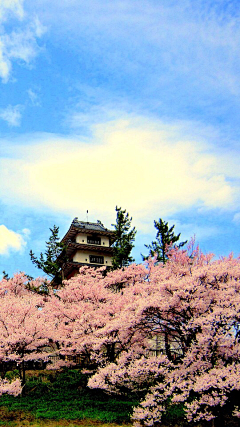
(107, 103)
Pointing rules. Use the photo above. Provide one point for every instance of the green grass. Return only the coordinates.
(66, 396)
(63, 400)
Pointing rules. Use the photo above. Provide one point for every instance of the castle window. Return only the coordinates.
(94, 240)
(96, 259)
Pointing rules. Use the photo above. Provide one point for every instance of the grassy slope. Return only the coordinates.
(23, 419)
(65, 397)
(63, 400)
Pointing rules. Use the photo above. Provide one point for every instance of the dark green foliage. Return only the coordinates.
(5, 275)
(12, 375)
(49, 261)
(125, 237)
(66, 396)
(174, 413)
(165, 236)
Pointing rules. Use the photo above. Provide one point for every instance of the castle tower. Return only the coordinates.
(87, 243)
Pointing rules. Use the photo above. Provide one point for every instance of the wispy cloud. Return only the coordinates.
(236, 218)
(201, 232)
(12, 115)
(142, 165)
(34, 97)
(21, 43)
(8, 7)
(146, 38)
(10, 241)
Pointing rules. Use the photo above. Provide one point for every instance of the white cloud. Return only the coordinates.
(26, 232)
(11, 6)
(198, 40)
(201, 232)
(38, 27)
(21, 43)
(12, 115)
(140, 165)
(10, 241)
(5, 64)
(236, 218)
(34, 97)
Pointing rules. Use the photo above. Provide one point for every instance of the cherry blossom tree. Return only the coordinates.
(24, 327)
(169, 333)
(190, 309)
(84, 313)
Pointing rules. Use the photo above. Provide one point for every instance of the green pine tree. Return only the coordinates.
(48, 262)
(165, 236)
(125, 237)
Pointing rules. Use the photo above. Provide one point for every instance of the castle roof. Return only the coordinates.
(89, 227)
(96, 226)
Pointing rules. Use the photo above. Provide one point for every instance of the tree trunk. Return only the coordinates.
(111, 352)
(22, 373)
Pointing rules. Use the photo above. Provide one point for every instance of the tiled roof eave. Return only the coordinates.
(73, 231)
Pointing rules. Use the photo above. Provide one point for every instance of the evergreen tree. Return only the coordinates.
(48, 262)
(165, 236)
(125, 237)
(5, 275)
